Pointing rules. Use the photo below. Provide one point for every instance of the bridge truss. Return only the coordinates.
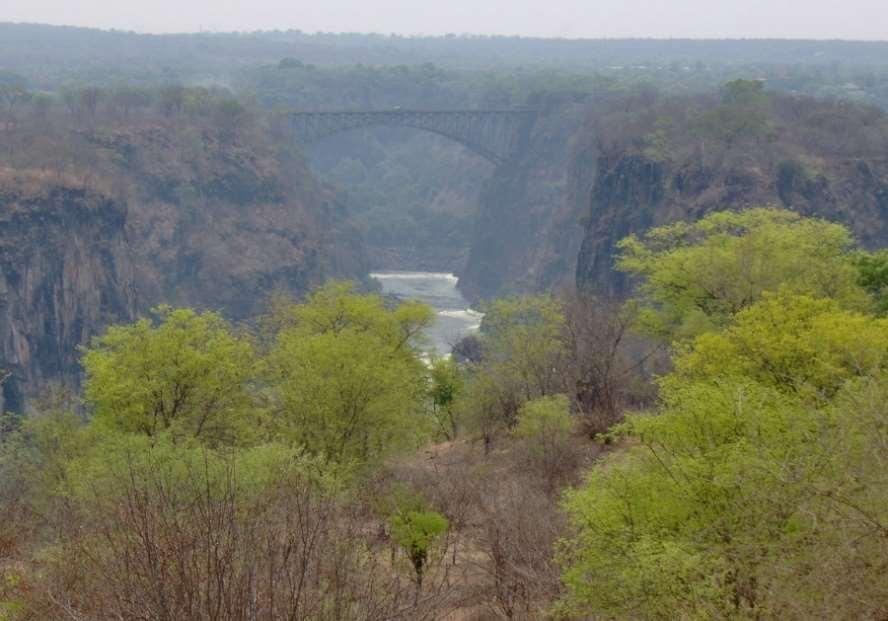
(497, 135)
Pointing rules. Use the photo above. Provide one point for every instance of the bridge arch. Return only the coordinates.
(497, 135)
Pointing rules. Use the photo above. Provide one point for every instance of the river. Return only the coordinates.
(454, 318)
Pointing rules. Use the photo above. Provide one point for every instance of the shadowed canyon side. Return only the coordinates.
(184, 216)
(670, 162)
(526, 234)
(222, 226)
(65, 270)
(634, 193)
(620, 164)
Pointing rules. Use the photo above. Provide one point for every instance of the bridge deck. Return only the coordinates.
(496, 134)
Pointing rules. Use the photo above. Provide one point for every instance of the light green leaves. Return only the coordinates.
(186, 374)
(757, 489)
(793, 342)
(694, 277)
(348, 383)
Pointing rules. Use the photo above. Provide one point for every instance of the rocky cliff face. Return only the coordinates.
(181, 219)
(65, 269)
(528, 229)
(633, 193)
(221, 226)
(832, 172)
(598, 172)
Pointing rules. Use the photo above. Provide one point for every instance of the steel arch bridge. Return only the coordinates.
(497, 135)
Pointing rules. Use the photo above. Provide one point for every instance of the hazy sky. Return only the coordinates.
(849, 19)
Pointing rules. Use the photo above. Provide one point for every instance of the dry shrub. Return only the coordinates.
(546, 449)
(516, 536)
(607, 367)
(505, 518)
(289, 552)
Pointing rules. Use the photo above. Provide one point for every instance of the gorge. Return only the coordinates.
(360, 327)
(189, 197)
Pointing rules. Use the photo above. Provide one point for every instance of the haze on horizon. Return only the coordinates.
(792, 19)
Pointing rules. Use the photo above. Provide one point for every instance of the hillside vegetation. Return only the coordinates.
(316, 467)
(676, 406)
(115, 201)
(661, 160)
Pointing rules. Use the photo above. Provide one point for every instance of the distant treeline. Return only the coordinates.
(53, 55)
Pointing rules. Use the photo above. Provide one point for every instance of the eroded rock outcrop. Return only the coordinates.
(221, 226)
(633, 193)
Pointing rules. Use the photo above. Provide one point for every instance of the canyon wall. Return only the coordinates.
(65, 270)
(617, 165)
(633, 193)
(162, 215)
(682, 158)
(528, 232)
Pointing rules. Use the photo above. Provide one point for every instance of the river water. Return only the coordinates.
(454, 318)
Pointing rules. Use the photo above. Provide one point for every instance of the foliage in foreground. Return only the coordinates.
(233, 475)
(350, 385)
(218, 474)
(757, 490)
(695, 276)
(738, 502)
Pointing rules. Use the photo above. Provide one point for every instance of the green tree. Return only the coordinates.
(744, 92)
(694, 277)
(117, 465)
(522, 343)
(736, 502)
(792, 342)
(446, 385)
(727, 497)
(873, 268)
(416, 528)
(521, 354)
(349, 382)
(337, 306)
(545, 426)
(544, 419)
(673, 527)
(186, 373)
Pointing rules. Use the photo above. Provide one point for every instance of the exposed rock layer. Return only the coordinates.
(633, 193)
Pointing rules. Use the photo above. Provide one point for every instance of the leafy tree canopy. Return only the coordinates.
(736, 501)
(544, 419)
(521, 346)
(794, 343)
(185, 373)
(696, 276)
(873, 268)
(350, 385)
